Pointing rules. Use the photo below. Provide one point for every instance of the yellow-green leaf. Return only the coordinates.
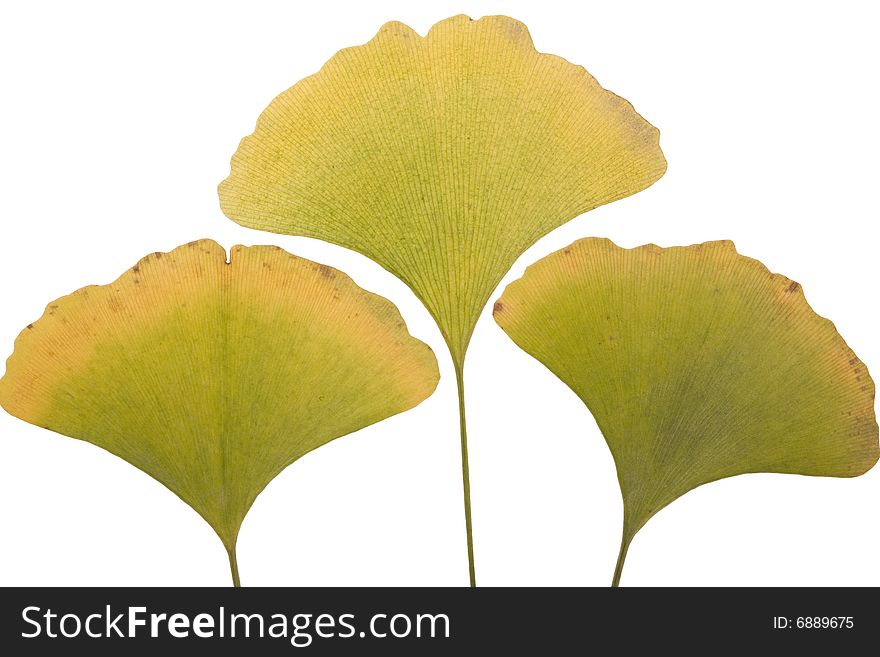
(697, 364)
(442, 158)
(213, 376)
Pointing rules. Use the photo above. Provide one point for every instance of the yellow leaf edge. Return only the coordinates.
(397, 29)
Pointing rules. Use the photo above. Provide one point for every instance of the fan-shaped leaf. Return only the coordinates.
(212, 376)
(697, 364)
(441, 158)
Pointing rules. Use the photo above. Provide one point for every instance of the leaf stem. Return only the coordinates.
(465, 475)
(621, 556)
(233, 566)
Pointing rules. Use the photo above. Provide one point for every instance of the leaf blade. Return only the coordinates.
(442, 158)
(697, 363)
(212, 377)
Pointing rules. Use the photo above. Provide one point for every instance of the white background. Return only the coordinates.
(116, 125)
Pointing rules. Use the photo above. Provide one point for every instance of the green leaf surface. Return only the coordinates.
(697, 364)
(213, 376)
(442, 158)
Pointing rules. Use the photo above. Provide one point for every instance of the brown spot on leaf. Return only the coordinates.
(611, 338)
(498, 307)
(136, 269)
(793, 287)
(326, 272)
(30, 326)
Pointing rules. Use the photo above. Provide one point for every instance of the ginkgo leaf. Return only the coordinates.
(213, 376)
(697, 364)
(442, 158)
